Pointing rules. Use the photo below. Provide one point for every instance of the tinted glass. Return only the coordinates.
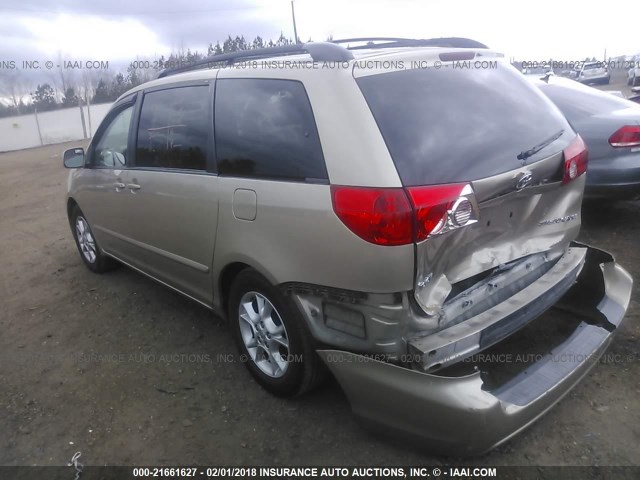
(265, 128)
(174, 129)
(452, 125)
(111, 148)
(578, 101)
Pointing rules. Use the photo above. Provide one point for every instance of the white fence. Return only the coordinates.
(56, 126)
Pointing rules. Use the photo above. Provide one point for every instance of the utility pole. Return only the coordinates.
(295, 30)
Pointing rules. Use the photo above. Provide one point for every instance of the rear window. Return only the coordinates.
(579, 101)
(537, 70)
(446, 125)
(591, 66)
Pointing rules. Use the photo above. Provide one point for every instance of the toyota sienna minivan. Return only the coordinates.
(383, 211)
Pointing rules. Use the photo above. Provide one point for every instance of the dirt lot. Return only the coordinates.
(127, 372)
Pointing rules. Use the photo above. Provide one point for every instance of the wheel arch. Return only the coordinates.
(227, 275)
(225, 280)
(71, 204)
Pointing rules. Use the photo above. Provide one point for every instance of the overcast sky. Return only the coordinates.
(123, 29)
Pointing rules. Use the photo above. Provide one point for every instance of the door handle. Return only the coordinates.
(118, 186)
(133, 186)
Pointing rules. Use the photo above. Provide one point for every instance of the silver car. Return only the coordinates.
(388, 212)
(633, 74)
(610, 126)
(592, 72)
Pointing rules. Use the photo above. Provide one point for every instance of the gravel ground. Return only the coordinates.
(128, 372)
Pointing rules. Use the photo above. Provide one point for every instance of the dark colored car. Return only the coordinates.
(610, 126)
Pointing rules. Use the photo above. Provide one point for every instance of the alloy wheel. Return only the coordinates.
(264, 334)
(85, 240)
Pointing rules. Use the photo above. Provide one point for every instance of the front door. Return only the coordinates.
(101, 188)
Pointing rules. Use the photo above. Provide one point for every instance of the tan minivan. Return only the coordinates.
(387, 210)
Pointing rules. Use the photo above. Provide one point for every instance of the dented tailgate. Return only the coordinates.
(543, 216)
(498, 142)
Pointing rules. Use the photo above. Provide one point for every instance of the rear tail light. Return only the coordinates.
(627, 136)
(442, 208)
(379, 215)
(397, 216)
(576, 158)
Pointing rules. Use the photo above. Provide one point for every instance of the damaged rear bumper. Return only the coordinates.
(462, 415)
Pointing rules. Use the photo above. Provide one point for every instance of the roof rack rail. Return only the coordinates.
(392, 42)
(319, 51)
(371, 39)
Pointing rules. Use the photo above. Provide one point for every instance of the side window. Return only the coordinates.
(111, 148)
(265, 128)
(174, 129)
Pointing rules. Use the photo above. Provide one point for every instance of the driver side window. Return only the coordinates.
(111, 148)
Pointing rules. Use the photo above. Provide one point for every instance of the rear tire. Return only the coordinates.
(273, 339)
(87, 245)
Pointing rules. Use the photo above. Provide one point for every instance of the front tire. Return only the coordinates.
(88, 247)
(272, 337)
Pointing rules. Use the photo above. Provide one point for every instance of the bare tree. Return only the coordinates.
(14, 86)
(62, 78)
(87, 85)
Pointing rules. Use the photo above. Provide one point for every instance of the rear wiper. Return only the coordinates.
(532, 151)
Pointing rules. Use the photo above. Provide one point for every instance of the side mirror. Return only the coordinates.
(74, 158)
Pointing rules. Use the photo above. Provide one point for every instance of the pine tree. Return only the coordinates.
(70, 98)
(44, 97)
(102, 94)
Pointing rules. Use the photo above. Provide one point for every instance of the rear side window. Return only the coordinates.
(579, 101)
(265, 128)
(451, 125)
(174, 129)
